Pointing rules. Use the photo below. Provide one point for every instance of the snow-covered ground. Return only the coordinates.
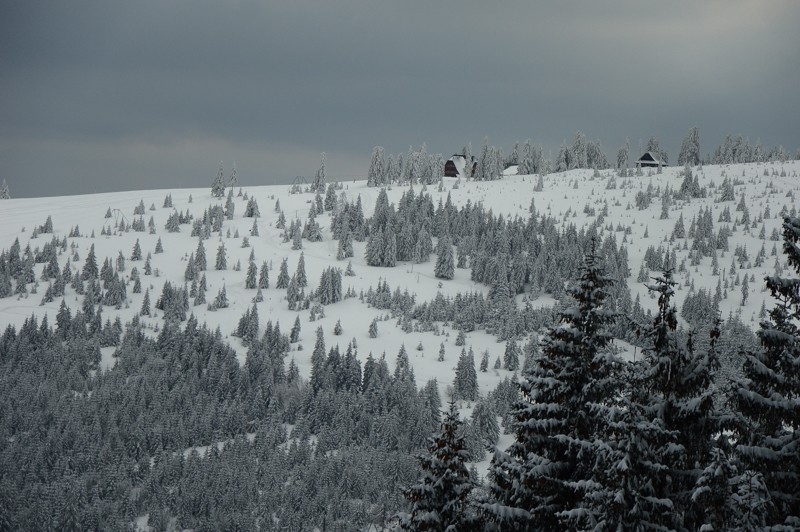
(564, 197)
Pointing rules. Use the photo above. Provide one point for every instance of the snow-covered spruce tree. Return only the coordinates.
(200, 257)
(297, 237)
(136, 254)
(5, 192)
(665, 204)
(345, 249)
(679, 231)
(222, 261)
(445, 265)
(90, 270)
(247, 329)
(769, 395)
(717, 491)
(300, 273)
(654, 147)
(330, 198)
(318, 361)
(293, 294)
(423, 247)
(319, 177)
(690, 148)
(283, 275)
(377, 165)
(539, 186)
(145, 310)
(251, 210)
(690, 186)
(312, 231)
(511, 356)
(218, 186)
(294, 334)
(727, 192)
(221, 301)
(526, 164)
(201, 292)
(547, 478)
(330, 286)
(579, 151)
(173, 223)
(439, 498)
(375, 248)
(233, 180)
(484, 419)
(676, 391)
(250, 279)
(263, 276)
(465, 382)
(623, 155)
(390, 250)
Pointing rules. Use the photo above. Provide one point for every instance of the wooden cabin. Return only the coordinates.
(456, 165)
(649, 160)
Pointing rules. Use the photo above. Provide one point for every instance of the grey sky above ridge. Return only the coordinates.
(100, 96)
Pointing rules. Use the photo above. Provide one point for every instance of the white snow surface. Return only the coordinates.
(510, 196)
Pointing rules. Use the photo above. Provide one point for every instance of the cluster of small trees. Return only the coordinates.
(218, 185)
(737, 149)
(490, 162)
(541, 254)
(415, 167)
(506, 255)
(581, 154)
(531, 160)
(330, 286)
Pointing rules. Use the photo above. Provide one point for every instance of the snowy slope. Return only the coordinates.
(564, 197)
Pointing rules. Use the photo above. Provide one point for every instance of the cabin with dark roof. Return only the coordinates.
(649, 159)
(456, 166)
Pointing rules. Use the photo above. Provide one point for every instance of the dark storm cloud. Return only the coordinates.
(107, 95)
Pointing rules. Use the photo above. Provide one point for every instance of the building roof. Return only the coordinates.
(650, 157)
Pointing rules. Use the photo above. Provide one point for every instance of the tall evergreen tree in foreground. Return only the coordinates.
(541, 481)
(439, 499)
(675, 392)
(769, 396)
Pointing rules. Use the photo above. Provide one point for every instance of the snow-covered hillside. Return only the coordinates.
(658, 218)
(574, 197)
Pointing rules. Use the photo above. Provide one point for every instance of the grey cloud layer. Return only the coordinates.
(154, 94)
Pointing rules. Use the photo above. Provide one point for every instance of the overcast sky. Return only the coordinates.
(100, 96)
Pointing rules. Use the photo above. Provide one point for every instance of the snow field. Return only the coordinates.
(511, 197)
